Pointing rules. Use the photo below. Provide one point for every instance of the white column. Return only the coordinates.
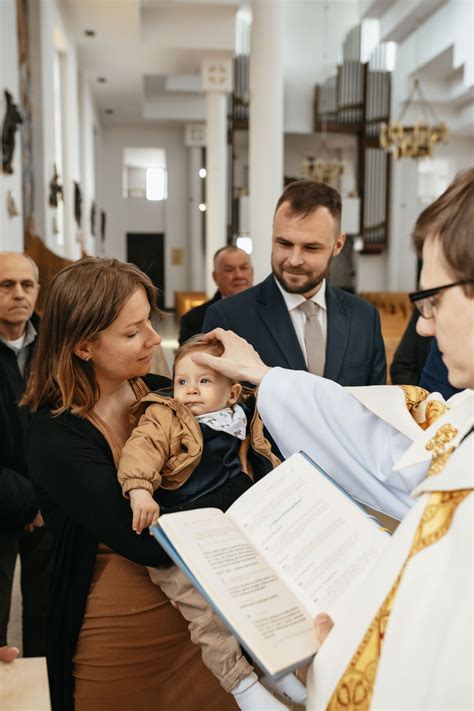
(217, 82)
(266, 127)
(195, 140)
(404, 210)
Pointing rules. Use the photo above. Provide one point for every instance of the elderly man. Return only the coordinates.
(21, 526)
(232, 273)
(295, 318)
(406, 641)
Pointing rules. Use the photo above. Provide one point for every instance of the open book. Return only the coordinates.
(291, 546)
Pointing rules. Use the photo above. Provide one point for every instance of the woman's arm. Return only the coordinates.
(68, 460)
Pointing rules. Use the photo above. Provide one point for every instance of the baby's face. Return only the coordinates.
(202, 389)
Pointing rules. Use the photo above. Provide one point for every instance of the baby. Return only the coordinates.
(187, 447)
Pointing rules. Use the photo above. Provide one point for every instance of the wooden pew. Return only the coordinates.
(48, 264)
(184, 301)
(395, 310)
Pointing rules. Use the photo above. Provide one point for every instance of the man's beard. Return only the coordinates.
(312, 281)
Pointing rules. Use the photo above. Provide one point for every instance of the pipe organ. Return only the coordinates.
(357, 101)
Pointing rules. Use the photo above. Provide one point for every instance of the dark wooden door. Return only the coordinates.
(147, 251)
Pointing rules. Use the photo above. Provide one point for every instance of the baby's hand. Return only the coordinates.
(145, 509)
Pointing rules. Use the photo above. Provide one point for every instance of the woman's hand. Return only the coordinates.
(145, 509)
(323, 624)
(8, 654)
(239, 360)
(37, 522)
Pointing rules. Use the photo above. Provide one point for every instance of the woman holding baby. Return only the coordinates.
(115, 640)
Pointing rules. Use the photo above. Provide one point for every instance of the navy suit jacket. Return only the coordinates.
(192, 321)
(434, 376)
(355, 353)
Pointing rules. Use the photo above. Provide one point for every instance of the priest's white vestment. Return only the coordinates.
(368, 441)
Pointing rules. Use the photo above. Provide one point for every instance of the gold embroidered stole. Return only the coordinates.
(355, 689)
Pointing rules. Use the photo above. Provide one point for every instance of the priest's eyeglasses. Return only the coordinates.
(425, 302)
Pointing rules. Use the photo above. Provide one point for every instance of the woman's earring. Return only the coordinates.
(87, 358)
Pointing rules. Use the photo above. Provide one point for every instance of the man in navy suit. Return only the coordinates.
(270, 316)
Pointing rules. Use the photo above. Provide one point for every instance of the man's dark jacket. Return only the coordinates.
(410, 357)
(355, 353)
(434, 376)
(192, 321)
(18, 503)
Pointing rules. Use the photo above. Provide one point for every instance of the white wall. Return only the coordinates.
(90, 140)
(41, 29)
(11, 228)
(439, 62)
(135, 215)
(48, 35)
(313, 36)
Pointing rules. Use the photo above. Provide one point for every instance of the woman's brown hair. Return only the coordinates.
(83, 299)
(450, 219)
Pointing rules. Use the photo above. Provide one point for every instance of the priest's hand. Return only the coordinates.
(323, 624)
(239, 360)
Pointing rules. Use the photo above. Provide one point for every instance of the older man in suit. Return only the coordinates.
(233, 273)
(22, 530)
(295, 318)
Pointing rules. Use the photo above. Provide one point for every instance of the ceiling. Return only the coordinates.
(150, 53)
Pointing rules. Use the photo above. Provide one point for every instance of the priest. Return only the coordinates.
(406, 642)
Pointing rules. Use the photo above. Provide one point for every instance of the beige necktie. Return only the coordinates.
(313, 338)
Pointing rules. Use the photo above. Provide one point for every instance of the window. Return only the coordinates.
(156, 187)
(144, 174)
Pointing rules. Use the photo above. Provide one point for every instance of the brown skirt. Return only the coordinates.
(134, 651)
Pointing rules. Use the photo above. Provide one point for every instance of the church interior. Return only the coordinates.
(159, 131)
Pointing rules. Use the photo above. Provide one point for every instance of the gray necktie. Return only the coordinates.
(313, 338)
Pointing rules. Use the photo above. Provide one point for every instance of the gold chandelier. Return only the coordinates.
(414, 141)
(323, 170)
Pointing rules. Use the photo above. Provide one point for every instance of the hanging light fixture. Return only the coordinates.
(415, 141)
(323, 170)
(327, 167)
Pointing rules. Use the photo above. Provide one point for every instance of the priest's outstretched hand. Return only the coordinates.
(239, 360)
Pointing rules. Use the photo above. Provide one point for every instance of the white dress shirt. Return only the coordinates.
(297, 316)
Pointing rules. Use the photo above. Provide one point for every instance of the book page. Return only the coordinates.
(312, 534)
(24, 685)
(255, 603)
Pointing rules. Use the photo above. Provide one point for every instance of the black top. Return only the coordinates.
(434, 376)
(81, 500)
(410, 357)
(191, 322)
(18, 501)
